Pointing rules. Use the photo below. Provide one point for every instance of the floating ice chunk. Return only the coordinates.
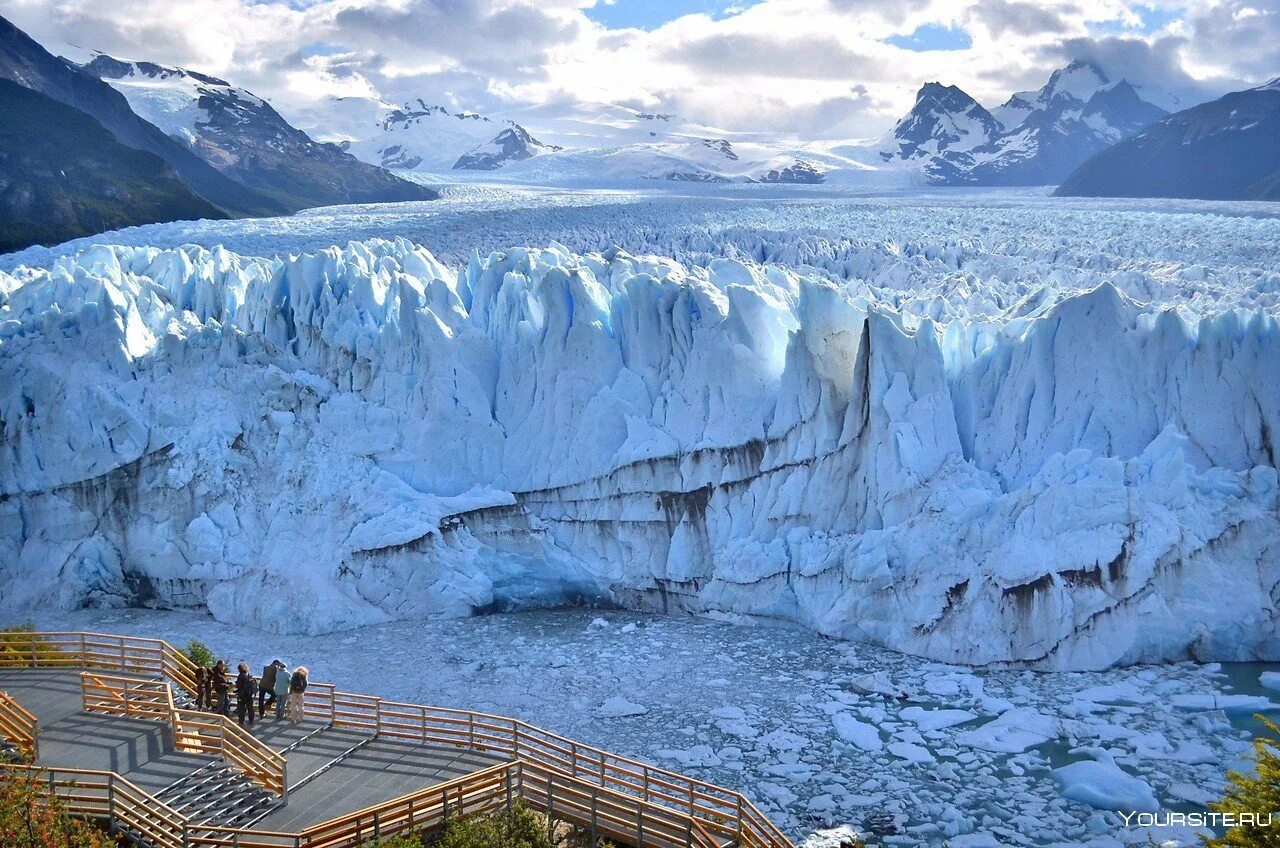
(928, 720)
(1270, 680)
(1229, 704)
(619, 707)
(865, 736)
(911, 753)
(838, 837)
(1013, 732)
(1105, 786)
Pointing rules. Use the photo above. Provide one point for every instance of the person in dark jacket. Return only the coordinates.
(246, 689)
(267, 686)
(220, 687)
(297, 690)
(202, 688)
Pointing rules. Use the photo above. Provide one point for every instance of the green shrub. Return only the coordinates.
(20, 644)
(198, 652)
(1258, 794)
(518, 827)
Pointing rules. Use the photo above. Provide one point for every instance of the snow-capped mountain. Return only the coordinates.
(513, 144)
(1034, 138)
(242, 136)
(423, 136)
(1226, 149)
(27, 63)
(943, 120)
(583, 142)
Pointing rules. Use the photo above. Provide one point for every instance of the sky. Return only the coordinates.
(815, 68)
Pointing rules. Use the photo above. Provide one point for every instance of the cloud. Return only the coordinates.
(1236, 38)
(791, 65)
(1020, 17)
(812, 57)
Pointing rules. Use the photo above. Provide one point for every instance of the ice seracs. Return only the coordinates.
(1059, 483)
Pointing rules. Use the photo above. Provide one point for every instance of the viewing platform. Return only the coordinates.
(107, 722)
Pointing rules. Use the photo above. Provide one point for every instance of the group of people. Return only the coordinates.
(277, 688)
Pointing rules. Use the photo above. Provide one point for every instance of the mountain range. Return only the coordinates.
(1034, 138)
(1227, 149)
(230, 152)
(242, 136)
(210, 148)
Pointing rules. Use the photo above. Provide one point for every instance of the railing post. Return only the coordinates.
(471, 730)
(377, 826)
(738, 797)
(551, 806)
(111, 803)
(515, 739)
(639, 827)
(594, 793)
(121, 638)
(84, 651)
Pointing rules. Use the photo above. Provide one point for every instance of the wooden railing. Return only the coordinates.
(193, 732)
(130, 697)
(19, 726)
(718, 812)
(218, 736)
(130, 654)
(108, 797)
(723, 812)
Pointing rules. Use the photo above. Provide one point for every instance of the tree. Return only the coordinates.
(31, 818)
(198, 652)
(1257, 794)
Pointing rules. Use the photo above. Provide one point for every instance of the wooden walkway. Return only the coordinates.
(333, 779)
(108, 722)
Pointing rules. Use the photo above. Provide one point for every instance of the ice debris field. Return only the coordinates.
(829, 737)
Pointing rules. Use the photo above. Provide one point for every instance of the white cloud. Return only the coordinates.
(800, 65)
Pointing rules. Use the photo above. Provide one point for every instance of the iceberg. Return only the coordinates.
(360, 434)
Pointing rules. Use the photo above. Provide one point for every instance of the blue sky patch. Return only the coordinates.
(651, 14)
(933, 37)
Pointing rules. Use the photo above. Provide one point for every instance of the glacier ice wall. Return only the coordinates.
(1067, 478)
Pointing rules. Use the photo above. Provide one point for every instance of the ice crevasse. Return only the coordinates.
(363, 434)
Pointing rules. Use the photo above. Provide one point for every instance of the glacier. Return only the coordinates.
(1058, 471)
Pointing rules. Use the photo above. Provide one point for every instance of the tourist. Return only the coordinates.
(297, 687)
(281, 689)
(246, 688)
(220, 688)
(202, 688)
(267, 686)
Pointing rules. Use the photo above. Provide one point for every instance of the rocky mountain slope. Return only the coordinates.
(1228, 149)
(63, 175)
(242, 136)
(26, 63)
